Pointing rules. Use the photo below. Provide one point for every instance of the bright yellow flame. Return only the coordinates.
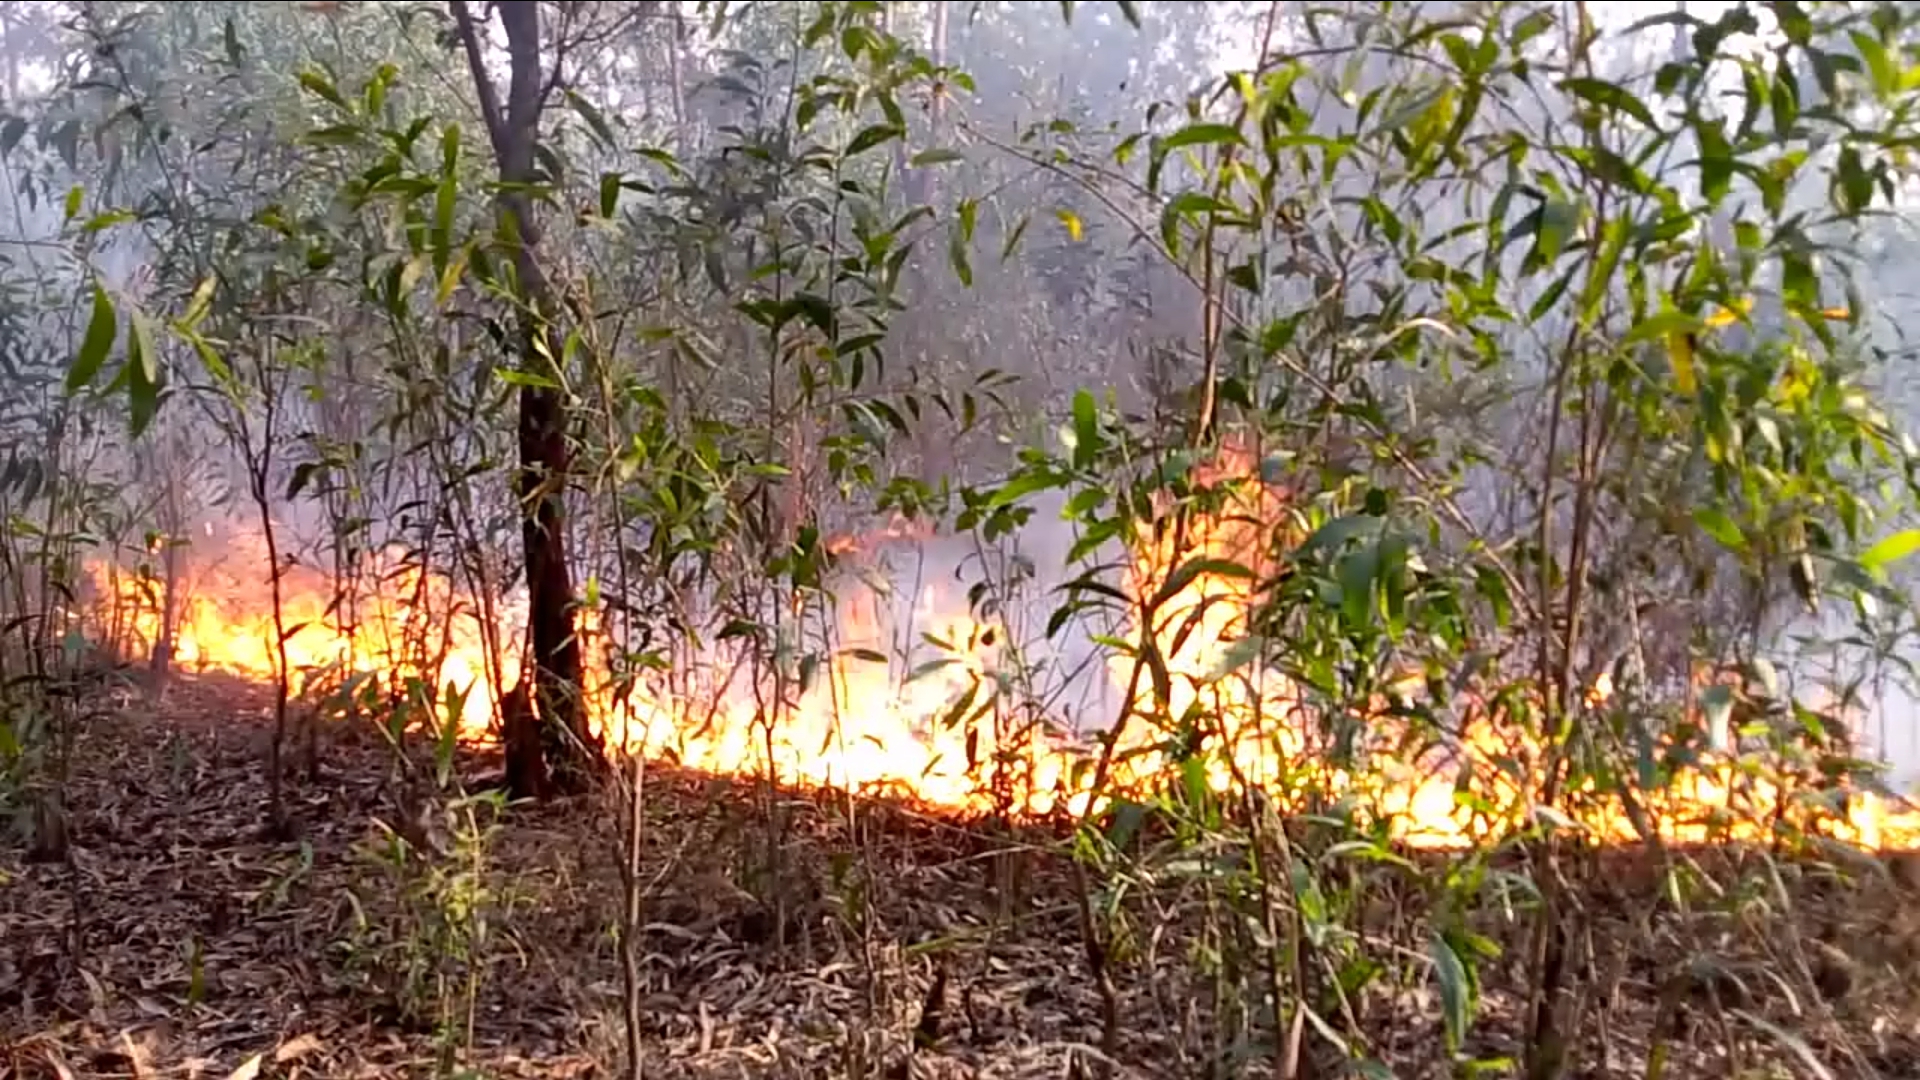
(852, 720)
(223, 621)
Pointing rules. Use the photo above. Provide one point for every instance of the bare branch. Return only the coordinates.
(490, 113)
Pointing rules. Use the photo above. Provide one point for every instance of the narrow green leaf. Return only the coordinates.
(1456, 990)
(938, 155)
(1203, 134)
(1661, 324)
(873, 136)
(1893, 549)
(1558, 220)
(596, 122)
(958, 256)
(319, 86)
(102, 326)
(199, 304)
(102, 222)
(1612, 97)
(146, 357)
(1086, 429)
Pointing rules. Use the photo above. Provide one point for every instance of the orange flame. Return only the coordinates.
(854, 718)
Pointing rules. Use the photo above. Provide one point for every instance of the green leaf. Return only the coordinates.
(1880, 68)
(1612, 97)
(199, 304)
(1799, 282)
(1721, 527)
(143, 375)
(1086, 429)
(216, 367)
(102, 326)
(1893, 549)
(1456, 990)
(939, 155)
(1558, 219)
(1012, 242)
(303, 474)
(873, 136)
(1852, 182)
(1202, 135)
(1192, 570)
(315, 83)
(143, 353)
(102, 222)
(1661, 325)
(1358, 572)
(1337, 532)
(958, 256)
(1716, 161)
(450, 149)
(595, 121)
(1022, 485)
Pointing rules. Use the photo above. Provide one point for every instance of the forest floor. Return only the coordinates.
(176, 940)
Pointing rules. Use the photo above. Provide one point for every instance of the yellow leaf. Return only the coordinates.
(1072, 221)
(1727, 316)
(1680, 355)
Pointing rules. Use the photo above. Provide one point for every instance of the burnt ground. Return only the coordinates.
(178, 940)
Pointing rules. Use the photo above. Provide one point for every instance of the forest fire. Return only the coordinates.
(949, 731)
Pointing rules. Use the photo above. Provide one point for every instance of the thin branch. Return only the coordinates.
(490, 113)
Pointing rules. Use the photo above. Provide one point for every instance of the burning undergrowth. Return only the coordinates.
(973, 927)
(934, 667)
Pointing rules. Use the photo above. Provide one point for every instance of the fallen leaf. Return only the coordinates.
(297, 1047)
(137, 1056)
(248, 1069)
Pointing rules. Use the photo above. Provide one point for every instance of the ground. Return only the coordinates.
(178, 939)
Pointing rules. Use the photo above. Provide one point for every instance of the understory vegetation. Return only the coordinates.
(850, 539)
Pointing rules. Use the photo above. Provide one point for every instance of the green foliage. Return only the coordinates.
(1698, 449)
(1532, 342)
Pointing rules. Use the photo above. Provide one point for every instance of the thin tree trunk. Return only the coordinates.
(545, 456)
(172, 529)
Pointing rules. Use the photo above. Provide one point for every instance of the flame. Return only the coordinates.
(865, 714)
(403, 624)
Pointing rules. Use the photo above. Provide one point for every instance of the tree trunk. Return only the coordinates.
(173, 528)
(565, 745)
